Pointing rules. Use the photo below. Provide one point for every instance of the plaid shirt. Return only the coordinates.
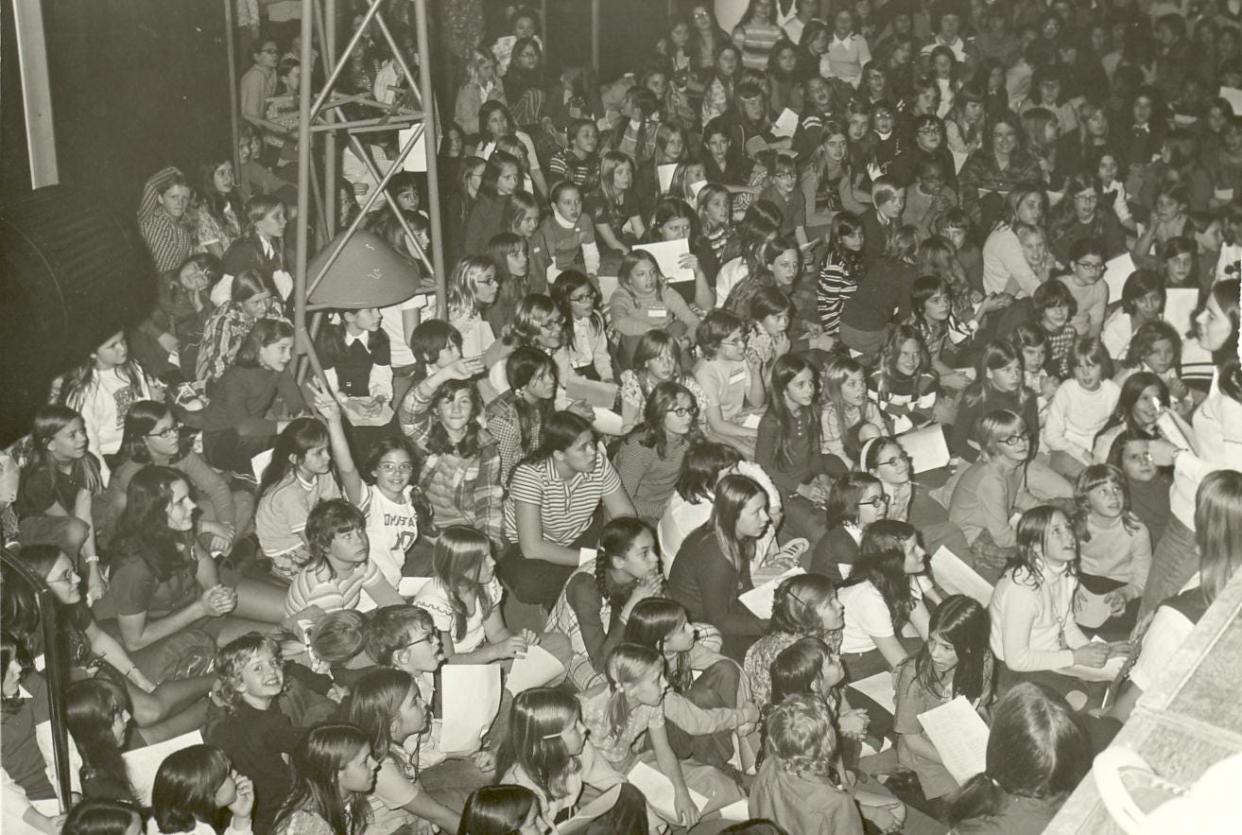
(504, 426)
(466, 491)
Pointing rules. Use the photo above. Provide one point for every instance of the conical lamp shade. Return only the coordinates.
(367, 273)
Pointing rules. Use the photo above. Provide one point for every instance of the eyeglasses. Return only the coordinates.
(685, 411)
(491, 282)
(892, 462)
(582, 298)
(1014, 440)
(167, 434)
(554, 324)
(879, 501)
(387, 467)
(1092, 266)
(736, 343)
(426, 639)
(270, 51)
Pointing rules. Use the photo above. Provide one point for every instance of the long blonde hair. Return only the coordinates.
(626, 664)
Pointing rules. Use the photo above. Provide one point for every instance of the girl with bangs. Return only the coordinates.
(699, 677)
(658, 359)
(712, 568)
(460, 474)
(805, 605)
(196, 790)
(1000, 483)
(1115, 550)
(955, 661)
(333, 771)
(387, 497)
(388, 708)
(614, 207)
(98, 716)
(999, 384)
(437, 351)
(511, 254)
(516, 418)
(1034, 634)
(547, 752)
(463, 598)
(472, 289)
(908, 500)
(881, 596)
(502, 176)
(1143, 396)
(848, 413)
(251, 297)
(855, 500)
(585, 329)
(649, 460)
(165, 582)
(643, 301)
(504, 809)
(906, 388)
(674, 220)
(788, 448)
(626, 720)
(297, 478)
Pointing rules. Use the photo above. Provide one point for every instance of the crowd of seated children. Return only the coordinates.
(728, 347)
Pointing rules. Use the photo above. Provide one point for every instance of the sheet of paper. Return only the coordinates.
(738, 811)
(1179, 308)
(879, 689)
(607, 422)
(1223, 194)
(586, 555)
(589, 812)
(50, 808)
(956, 577)
(959, 159)
(596, 394)
(1106, 673)
(665, 173)
(607, 286)
(667, 255)
(535, 669)
(696, 187)
(759, 599)
(960, 736)
(144, 762)
(416, 160)
(471, 700)
(786, 124)
(1116, 271)
(926, 447)
(1234, 96)
(410, 586)
(658, 790)
(751, 421)
(259, 463)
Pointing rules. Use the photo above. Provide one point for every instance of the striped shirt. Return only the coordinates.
(565, 507)
(756, 40)
(315, 586)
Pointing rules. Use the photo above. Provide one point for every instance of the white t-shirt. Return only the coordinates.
(867, 616)
(393, 326)
(434, 598)
(391, 528)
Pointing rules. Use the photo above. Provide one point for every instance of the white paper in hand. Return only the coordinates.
(410, 586)
(142, 763)
(658, 790)
(926, 447)
(535, 669)
(665, 173)
(759, 599)
(1116, 271)
(879, 689)
(1234, 96)
(668, 256)
(960, 737)
(786, 124)
(738, 811)
(471, 701)
(956, 577)
(416, 159)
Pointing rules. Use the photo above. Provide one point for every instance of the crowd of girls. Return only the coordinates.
(810, 299)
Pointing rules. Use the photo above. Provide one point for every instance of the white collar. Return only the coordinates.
(561, 221)
(844, 40)
(350, 339)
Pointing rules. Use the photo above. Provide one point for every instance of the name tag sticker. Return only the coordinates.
(657, 312)
(737, 377)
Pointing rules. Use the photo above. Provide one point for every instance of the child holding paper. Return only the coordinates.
(643, 301)
(547, 752)
(629, 710)
(388, 707)
(1116, 546)
(955, 661)
(566, 238)
(463, 598)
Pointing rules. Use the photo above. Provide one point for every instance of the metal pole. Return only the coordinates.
(328, 30)
(305, 139)
(595, 36)
(36, 92)
(433, 146)
(230, 49)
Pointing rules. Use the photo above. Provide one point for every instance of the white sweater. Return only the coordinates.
(1075, 417)
(1027, 621)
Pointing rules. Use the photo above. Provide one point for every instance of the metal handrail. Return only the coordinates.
(55, 668)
